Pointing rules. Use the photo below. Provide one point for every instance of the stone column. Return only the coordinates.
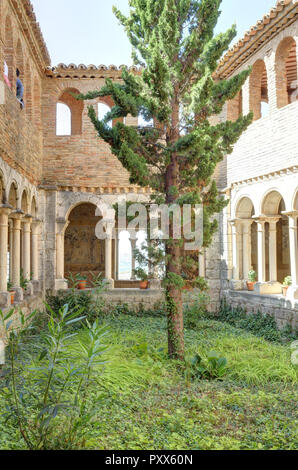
(108, 260)
(293, 248)
(4, 296)
(236, 248)
(272, 249)
(116, 270)
(261, 251)
(61, 226)
(246, 246)
(133, 243)
(35, 254)
(16, 254)
(27, 246)
(10, 247)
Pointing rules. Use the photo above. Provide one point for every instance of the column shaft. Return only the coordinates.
(246, 248)
(293, 249)
(272, 252)
(3, 250)
(35, 266)
(108, 257)
(261, 252)
(60, 256)
(133, 258)
(236, 250)
(16, 252)
(27, 250)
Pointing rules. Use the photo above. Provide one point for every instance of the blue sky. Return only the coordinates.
(87, 32)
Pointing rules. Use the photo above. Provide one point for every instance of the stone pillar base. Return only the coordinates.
(61, 284)
(292, 293)
(2, 353)
(19, 295)
(109, 283)
(5, 299)
(155, 284)
(265, 288)
(236, 285)
(36, 287)
(29, 290)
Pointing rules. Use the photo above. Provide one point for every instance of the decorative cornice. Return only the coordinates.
(105, 190)
(31, 29)
(88, 71)
(279, 17)
(268, 176)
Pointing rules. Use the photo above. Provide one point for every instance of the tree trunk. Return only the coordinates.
(173, 250)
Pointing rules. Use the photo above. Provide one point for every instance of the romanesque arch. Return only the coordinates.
(258, 89)
(9, 50)
(20, 60)
(13, 195)
(37, 103)
(83, 251)
(286, 72)
(25, 202)
(28, 91)
(235, 107)
(75, 107)
(277, 225)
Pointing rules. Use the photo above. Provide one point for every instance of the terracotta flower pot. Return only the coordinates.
(12, 294)
(144, 285)
(82, 285)
(250, 285)
(285, 290)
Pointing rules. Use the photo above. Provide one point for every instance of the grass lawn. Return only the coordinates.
(148, 404)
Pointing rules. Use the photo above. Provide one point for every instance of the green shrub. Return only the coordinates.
(212, 368)
(49, 397)
(259, 324)
(196, 309)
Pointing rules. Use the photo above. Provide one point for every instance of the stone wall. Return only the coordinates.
(28, 305)
(284, 312)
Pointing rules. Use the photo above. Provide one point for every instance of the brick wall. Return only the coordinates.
(77, 160)
(269, 144)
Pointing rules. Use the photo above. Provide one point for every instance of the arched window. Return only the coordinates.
(102, 110)
(33, 207)
(63, 119)
(13, 196)
(28, 92)
(234, 107)
(8, 53)
(286, 72)
(69, 114)
(258, 89)
(25, 203)
(37, 103)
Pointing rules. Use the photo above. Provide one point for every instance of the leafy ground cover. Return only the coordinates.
(149, 402)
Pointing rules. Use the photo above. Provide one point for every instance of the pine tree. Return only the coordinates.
(174, 44)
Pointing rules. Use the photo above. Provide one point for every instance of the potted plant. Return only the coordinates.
(286, 284)
(11, 291)
(252, 277)
(143, 276)
(82, 282)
